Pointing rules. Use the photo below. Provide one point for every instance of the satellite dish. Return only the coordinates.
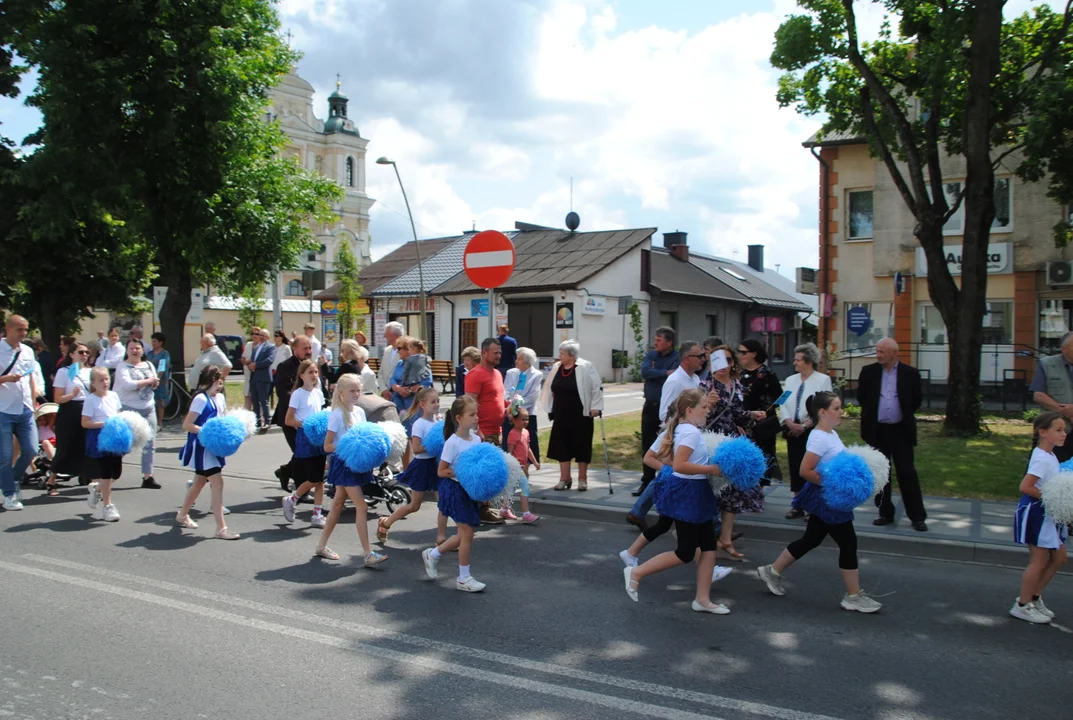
(572, 220)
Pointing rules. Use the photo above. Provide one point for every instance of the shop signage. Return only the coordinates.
(413, 305)
(564, 315)
(478, 308)
(766, 324)
(858, 320)
(329, 330)
(594, 306)
(358, 307)
(998, 259)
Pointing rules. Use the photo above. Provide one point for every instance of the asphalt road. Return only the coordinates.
(139, 620)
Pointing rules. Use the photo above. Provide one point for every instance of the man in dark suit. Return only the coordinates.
(286, 375)
(261, 356)
(890, 394)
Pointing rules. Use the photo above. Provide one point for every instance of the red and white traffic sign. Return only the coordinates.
(489, 259)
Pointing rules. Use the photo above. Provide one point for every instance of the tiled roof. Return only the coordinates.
(548, 258)
(671, 275)
(746, 283)
(839, 137)
(389, 267)
(780, 282)
(437, 269)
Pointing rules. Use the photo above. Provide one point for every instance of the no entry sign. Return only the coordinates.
(489, 259)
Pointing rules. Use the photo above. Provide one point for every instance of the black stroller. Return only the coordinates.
(384, 489)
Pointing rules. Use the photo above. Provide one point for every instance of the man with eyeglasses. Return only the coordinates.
(17, 393)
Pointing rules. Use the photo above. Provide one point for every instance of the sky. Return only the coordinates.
(662, 114)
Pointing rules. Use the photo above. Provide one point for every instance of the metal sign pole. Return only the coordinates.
(492, 313)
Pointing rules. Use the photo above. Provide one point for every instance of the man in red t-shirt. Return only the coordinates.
(485, 385)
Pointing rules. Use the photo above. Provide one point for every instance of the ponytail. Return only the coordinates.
(415, 406)
(819, 401)
(450, 425)
(688, 400)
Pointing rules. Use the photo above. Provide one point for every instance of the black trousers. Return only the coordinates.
(691, 536)
(291, 435)
(795, 453)
(816, 530)
(893, 441)
(649, 433)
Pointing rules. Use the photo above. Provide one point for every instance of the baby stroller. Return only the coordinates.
(384, 489)
(38, 471)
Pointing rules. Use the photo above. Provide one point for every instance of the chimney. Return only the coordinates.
(674, 238)
(756, 257)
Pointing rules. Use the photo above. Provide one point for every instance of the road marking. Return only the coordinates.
(666, 691)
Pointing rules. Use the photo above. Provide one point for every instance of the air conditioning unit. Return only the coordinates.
(798, 322)
(1060, 272)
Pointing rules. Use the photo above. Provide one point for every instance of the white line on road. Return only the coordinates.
(716, 701)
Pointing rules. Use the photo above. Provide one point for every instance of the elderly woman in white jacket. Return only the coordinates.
(524, 381)
(573, 395)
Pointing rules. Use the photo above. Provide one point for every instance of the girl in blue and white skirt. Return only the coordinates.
(345, 415)
(307, 468)
(101, 467)
(421, 474)
(208, 403)
(454, 502)
(1033, 527)
(686, 497)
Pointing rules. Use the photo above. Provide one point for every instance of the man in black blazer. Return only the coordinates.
(889, 393)
(286, 375)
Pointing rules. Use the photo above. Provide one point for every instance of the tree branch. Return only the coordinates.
(1043, 62)
(1009, 151)
(884, 152)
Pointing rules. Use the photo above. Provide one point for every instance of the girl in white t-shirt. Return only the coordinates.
(101, 467)
(422, 474)
(454, 502)
(687, 499)
(825, 411)
(345, 415)
(307, 467)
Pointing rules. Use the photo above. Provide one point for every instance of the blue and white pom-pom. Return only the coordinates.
(515, 475)
(246, 417)
(364, 447)
(140, 429)
(397, 434)
(713, 440)
(115, 437)
(316, 427)
(877, 462)
(1067, 466)
(741, 462)
(482, 471)
(1057, 496)
(222, 435)
(434, 439)
(846, 481)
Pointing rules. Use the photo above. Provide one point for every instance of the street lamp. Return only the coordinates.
(417, 245)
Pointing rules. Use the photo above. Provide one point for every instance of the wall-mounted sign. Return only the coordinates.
(998, 259)
(858, 320)
(478, 308)
(766, 324)
(594, 306)
(413, 305)
(331, 307)
(564, 315)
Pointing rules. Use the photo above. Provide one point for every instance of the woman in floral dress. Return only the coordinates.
(729, 417)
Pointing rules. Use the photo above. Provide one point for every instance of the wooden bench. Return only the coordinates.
(444, 374)
(374, 364)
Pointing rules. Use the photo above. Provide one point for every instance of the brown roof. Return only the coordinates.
(548, 258)
(671, 275)
(838, 137)
(389, 267)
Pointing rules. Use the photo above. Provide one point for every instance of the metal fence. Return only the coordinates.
(1000, 381)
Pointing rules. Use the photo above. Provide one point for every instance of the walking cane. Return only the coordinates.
(607, 458)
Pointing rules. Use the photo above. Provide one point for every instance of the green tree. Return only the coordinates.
(945, 78)
(349, 290)
(166, 104)
(250, 301)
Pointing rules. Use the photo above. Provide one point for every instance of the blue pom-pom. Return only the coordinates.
(743, 463)
(116, 437)
(434, 439)
(316, 428)
(482, 471)
(364, 447)
(847, 481)
(1067, 466)
(222, 435)
(665, 472)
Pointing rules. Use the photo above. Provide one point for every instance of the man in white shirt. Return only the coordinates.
(390, 358)
(17, 393)
(210, 355)
(690, 359)
(310, 330)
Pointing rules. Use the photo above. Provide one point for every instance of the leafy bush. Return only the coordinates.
(851, 410)
(1030, 415)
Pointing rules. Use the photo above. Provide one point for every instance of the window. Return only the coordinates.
(311, 256)
(669, 319)
(732, 274)
(1055, 320)
(1003, 221)
(882, 325)
(294, 287)
(861, 215)
(350, 172)
(713, 325)
(778, 348)
(997, 324)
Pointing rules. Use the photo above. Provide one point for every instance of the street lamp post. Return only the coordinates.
(417, 245)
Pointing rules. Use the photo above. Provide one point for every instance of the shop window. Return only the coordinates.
(861, 215)
(997, 325)
(882, 326)
(669, 319)
(1055, 320)
(778, 348)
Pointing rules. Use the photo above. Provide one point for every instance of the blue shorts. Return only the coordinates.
(1032, 526)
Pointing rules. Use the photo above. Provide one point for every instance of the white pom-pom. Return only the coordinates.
(515, 475)
(397, 434)
(714, 440)
(876, 461)
(718, 482)
(139, 429)
(1057, 496)
(246, 417)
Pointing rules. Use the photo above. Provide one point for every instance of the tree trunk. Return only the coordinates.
(173, 313)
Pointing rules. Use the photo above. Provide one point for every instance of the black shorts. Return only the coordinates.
(109, 467)
(208, 473)
(693, 537)
(310, 469)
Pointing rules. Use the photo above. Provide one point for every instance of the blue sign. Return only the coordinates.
(858, 320)
(478, 308)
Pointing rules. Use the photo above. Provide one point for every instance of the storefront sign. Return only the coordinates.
(766, 324)
(858, 320)
(998, 259)
(413, 305)
(594, 306)
(329, 330)
(358, 307)
(478, 308)
(564, 315)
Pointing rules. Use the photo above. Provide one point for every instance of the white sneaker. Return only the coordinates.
(631, 588)
(1028, 613)
(719, 572)
(110, 514)
(773, 580)
(715, 608)
(94, 496)
(470, 584)
(860, 603)
(1042, 609)
(627, 559)
(288, 508)
(430, 563)
(12, 502)
(318, 520)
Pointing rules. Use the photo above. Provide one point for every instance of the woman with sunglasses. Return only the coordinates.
(69, 391)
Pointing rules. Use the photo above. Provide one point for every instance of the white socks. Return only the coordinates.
(463, 572)
(435, 554)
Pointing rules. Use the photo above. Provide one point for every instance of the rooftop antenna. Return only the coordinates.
(474, 225)
(288, 35)
(777, 266)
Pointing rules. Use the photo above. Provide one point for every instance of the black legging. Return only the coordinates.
(817, 530)
(691, 536)
(795, 453)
